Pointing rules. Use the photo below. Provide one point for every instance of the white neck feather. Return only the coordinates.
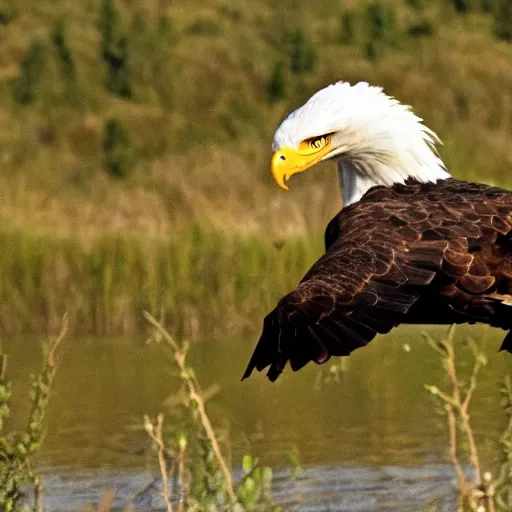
(356, 180)
(353, 186)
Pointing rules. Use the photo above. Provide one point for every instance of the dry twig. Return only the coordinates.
(195, 394)
(456, 404)
(155, 433)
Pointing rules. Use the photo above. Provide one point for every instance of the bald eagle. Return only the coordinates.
(412, 245)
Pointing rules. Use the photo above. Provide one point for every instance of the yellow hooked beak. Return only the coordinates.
(287, 161)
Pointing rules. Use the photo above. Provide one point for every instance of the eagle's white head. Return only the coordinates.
(376, 140)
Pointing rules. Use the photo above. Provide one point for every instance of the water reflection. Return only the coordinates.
(377, 415)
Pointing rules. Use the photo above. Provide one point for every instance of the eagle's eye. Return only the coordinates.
(315, 143)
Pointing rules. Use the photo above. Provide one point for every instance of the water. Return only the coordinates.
(371, 441)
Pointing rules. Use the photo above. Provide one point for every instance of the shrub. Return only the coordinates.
(276, 85)
(373, 50)
(165, 28)
(381, 19)
(32, 69)
(114, 47)
(348, 23)
(8, 13)
(207, 484)
(19, 447)
(302, 53)
(423, 28)
(119, 77)
(382, 26)
(110, 22)
(66, 61)
(478, 489)
(462, 5)
(164, 69)
(117, 149)
(503, 19)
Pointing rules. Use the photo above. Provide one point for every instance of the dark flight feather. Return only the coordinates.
(434, 253)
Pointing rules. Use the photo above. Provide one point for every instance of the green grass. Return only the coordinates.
(200, 280)
(199, 125)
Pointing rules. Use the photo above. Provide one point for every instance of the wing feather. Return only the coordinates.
(388, 256)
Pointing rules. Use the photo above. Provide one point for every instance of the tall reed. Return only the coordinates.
(200, 279)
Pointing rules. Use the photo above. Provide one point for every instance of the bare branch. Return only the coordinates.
(195, 394)
(155, 433)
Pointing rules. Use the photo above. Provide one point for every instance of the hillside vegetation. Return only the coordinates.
(145, 115)
(138, 120)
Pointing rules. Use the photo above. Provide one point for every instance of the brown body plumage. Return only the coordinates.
(419, 253)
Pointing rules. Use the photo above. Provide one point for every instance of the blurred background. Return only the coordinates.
(135, 139)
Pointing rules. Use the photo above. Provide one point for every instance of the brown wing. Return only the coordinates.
(400, 255)
(351, 294)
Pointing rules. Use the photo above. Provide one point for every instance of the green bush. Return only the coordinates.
(19, 447)
(66, 61)
(276, 85)
(110, 22)
(8, 13)
(382, 27)
(117, 149)
(32, 70)
(381, 18)
(348, 27)
(373, 50)
(423, 28)
(114, 48)
(503, 19)
(302, 52)
(165, 28)
(487, 5)
(462, 5)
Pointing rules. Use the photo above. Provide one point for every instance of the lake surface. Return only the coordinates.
(370, 441)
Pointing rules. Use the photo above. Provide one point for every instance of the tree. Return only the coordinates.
(487, 5)
(114, 49)
(462, 5)
(110, 22)
(382, 26)
(32, 70)
(503, 19)
(382, 22)
(66, 61)
(117, 148)
(347, 27)
(302, 54)
(276, 85)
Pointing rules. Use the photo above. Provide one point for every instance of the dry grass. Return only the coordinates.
(205, 154)
(201, 128)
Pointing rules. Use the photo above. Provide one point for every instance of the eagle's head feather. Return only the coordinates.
(376, 139)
